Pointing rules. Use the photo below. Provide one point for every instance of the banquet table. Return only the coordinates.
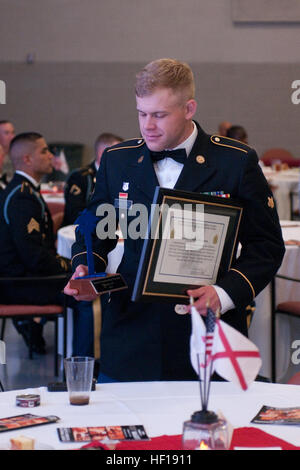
(53, 193)
(288, 328)
(283, 183)
(161, 407)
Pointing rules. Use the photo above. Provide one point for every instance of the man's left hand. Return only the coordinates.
(204, 297)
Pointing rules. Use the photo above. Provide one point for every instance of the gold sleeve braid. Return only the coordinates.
(84, 253)
(246, 279)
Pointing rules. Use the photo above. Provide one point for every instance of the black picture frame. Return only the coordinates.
(145, 287)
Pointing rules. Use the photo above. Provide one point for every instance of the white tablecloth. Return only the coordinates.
(53, 192)
(66, 238)
(288, 329)
(283, 183)
(161, 407)
(54, 198)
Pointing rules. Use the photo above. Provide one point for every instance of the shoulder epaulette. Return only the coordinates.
(127, 144)
(78, 171)
(87, 171)
(230, 143)
(24, 188)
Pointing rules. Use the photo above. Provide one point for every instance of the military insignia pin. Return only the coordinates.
(125, 186)
(271, 202)
(200, 159)
(33, 225)
(75, 190)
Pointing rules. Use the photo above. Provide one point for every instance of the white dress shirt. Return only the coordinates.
(32, 180)
(167, 172)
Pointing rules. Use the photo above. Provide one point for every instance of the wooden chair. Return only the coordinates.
(27, 311)
(289, 308)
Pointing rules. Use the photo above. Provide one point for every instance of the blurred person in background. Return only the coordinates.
(81, 182)
(238, 133)
(223, 128)
(3, 176)
(7, 133)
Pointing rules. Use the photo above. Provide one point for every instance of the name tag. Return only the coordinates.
(123, 203)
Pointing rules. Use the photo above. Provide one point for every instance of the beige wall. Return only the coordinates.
(140, 30)
(87, 54)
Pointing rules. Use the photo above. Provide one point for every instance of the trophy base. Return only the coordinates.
(91, 285)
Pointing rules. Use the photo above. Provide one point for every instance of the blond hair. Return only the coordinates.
(165, 73)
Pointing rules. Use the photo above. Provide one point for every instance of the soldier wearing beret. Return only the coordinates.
(150, 341)
(81, 182)
(27, 241)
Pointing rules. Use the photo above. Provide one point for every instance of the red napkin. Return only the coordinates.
(254, 437)
(156, 443)
(242, 437)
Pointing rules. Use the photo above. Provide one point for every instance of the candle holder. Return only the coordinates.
(205, 431)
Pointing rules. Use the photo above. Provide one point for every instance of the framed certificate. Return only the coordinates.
(191, 242)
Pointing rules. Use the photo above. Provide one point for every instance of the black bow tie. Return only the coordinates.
(179, 155)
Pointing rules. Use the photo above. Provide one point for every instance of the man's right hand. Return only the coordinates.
(80, 271)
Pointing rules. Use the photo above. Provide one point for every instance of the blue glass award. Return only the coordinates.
(93, 283)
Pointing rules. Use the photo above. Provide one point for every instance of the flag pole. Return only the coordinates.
(211, 361)
(205, 365)
(199, 368)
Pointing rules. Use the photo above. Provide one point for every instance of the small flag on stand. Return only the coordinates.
(236, 358)
(201, 350)
(216, 346)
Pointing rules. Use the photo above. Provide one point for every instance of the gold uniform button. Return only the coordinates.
(200, 159)
(217, 139)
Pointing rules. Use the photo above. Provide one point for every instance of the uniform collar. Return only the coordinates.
(189, 142)
(34, 183)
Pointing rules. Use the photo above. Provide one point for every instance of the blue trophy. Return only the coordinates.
(94, 282)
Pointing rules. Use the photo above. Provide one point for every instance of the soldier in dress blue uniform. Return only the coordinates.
(27, 242)
(150, 341)
(81, 182)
